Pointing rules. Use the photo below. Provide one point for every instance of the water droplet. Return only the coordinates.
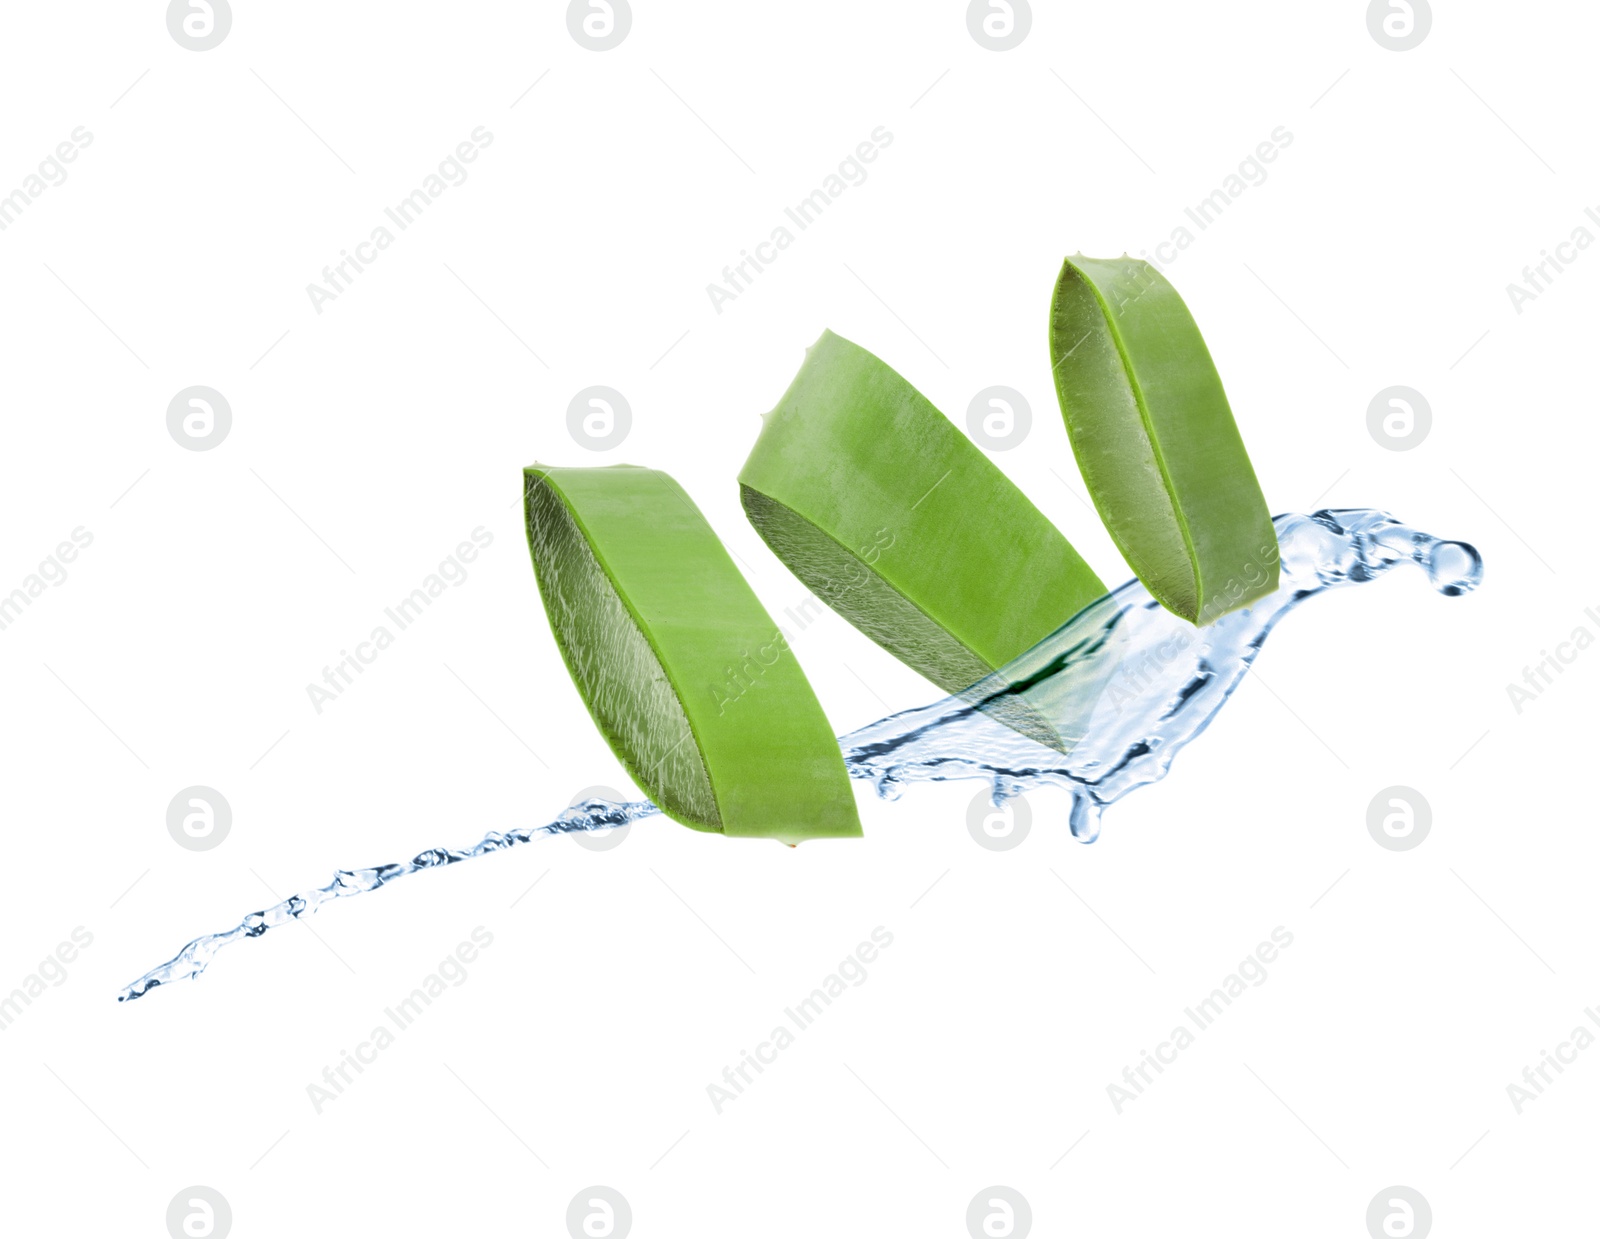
(1454, 568)
(1084, 818)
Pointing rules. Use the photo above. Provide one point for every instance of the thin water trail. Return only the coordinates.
(1103, 705)
(595, 815)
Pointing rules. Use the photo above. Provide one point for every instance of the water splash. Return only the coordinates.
(1121, 689)
(1126, 684)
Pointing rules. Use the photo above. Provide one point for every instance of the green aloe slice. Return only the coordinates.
(684, 672)
(1156, 441)
(892, 517)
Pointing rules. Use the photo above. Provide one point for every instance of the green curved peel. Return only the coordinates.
(894, 518)
(685, 674)
(1156, 441)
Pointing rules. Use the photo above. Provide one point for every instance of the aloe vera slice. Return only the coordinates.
(684, 672)
(1156, 441)
(892, 517)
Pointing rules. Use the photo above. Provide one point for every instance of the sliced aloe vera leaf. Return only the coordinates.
(683, 671)
(892, 517)
(1156, 440)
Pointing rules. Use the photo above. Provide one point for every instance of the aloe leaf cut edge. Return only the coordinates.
(1156, 441)
(683, 671)
(897, 521)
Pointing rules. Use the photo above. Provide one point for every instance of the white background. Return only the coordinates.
(368, 440)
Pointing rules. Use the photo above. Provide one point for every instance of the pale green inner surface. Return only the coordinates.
(883, 613)
(864, 598)
(1116, 449)
(622, 680)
